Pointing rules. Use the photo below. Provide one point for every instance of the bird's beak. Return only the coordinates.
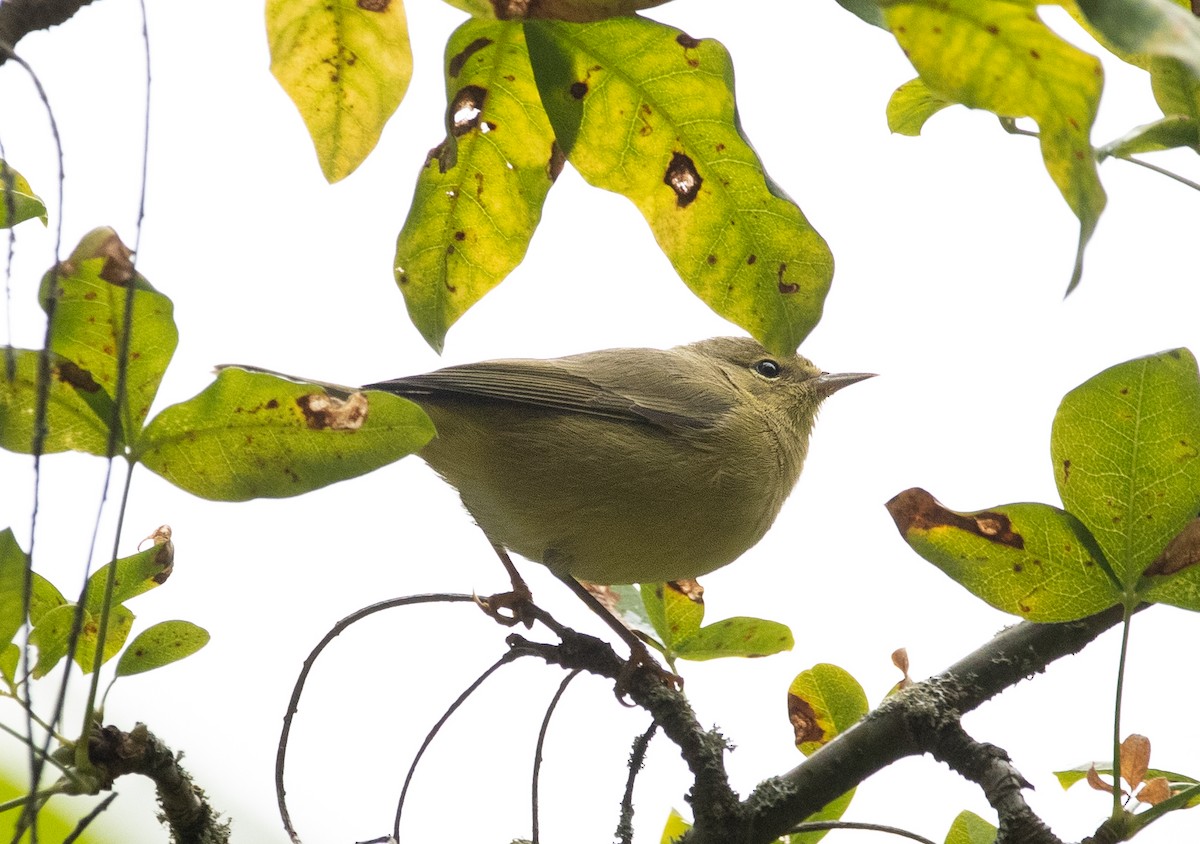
(829, 383)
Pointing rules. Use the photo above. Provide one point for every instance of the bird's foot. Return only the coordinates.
(510, 608)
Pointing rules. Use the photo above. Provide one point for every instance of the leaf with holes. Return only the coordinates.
(647, 111)
(346, 65)
(159, 645)
(1126, 452)
(998, 55)
(90, 290)
(1032, 560)
(479, 196)
(17, 197)
(253, 435)
(77, 408)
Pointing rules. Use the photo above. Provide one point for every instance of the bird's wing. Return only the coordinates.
(651, 387)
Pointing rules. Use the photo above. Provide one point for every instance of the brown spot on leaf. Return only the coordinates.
(460, 235)
(681, 177)
(322, 411)
(1124, 391)
(690, 589)
(785, 287)
(712, 260)
(992, 29)
(555, 165)
(804, 720)
(374, 5)
(751, 258)
(465, 109)
(1035, 54)
(686, 41)
(450, 250)
(1066, 470)
(76, 376)
(1181, 552)
(579, 90)
(455, 65)
(271, 404)
(916, 509)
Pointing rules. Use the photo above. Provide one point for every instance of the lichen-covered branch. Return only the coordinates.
(185, 809)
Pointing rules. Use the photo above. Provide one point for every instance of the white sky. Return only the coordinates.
(952, 250)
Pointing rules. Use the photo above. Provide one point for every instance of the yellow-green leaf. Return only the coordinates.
(346, 65)
(647, 111)
(911, 105)
(675, 611)
(18, 198)
(742, 636)
(52, 634)
(1032, 560)
(969, 828)
(824, 701)
(1126, 452)
(91, 288)
(1169, 133)
(77, 408)
(999, 56)
(253, 435)
(13, 562)
(159, 645)
(479, 195)
(674, 828)
(135, 574)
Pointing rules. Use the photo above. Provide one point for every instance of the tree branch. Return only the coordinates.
(904, 725)
(18, 18)
(185, 810)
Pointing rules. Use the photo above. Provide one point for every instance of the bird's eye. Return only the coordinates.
(768, 368)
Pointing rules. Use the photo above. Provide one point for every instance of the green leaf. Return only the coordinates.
(15, 193)
(91, 288)
(10, 658)
(13, 562)
(738, 636)
(77, 408)
(1164, 36)
(46, 597)
(1169, 133)
(479, 196)
(911, 105)
(824, 701)
(253, 435)
(1125, 446)
(866, 10)
(647, 111)
(998, 55)
(1032, 560)
(969, 828)
(52, 636)
(135, 574)
(346, 65)
(676, 616)
(159, 645)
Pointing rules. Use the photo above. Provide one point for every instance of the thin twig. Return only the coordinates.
(637, 759)
(1162, 171)
(310, 661)
(541, 742)
(822, 826)
(508, 657)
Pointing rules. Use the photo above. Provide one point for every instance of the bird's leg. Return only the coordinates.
(517, 602)
(639, 654)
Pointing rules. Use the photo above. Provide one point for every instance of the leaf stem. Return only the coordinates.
(1162, 171)
(1126, 618)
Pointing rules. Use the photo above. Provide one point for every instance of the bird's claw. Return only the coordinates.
(519, 605)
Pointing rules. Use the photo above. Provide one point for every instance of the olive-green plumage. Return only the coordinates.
(625, 465)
